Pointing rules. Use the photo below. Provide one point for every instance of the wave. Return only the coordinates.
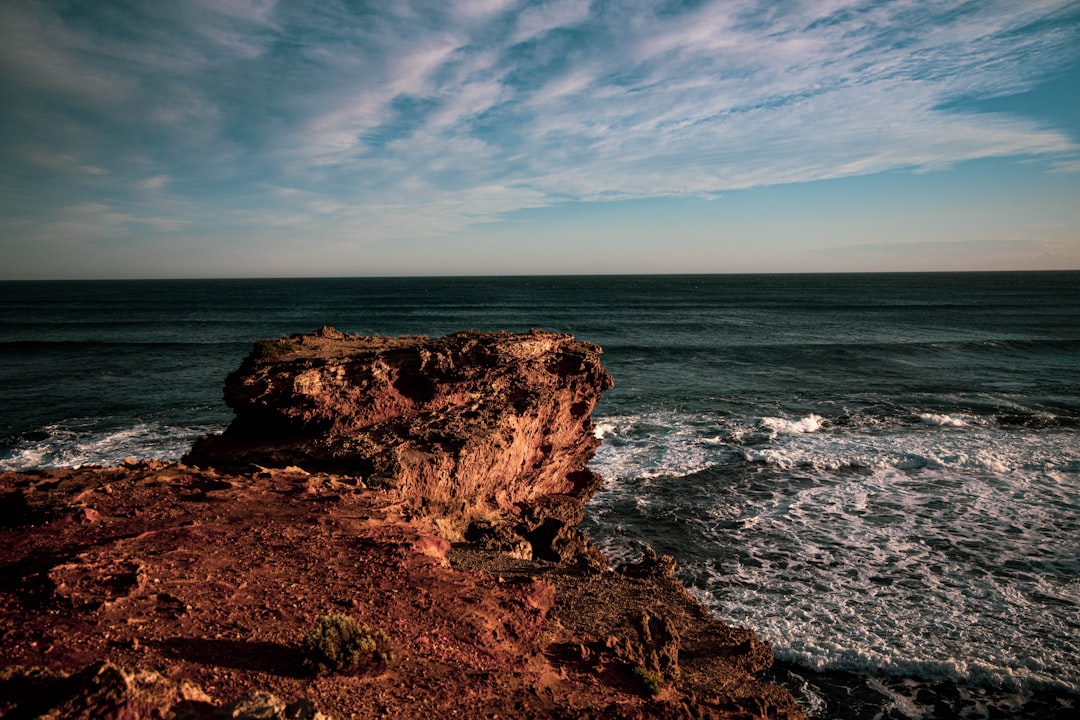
(938, 576)
(809, 424)
(648, 446)
(1014, 675)
(98, 343)
(868, 346)
(843, 695)
(667, 444)
(942, 420)
(77, 443)
(935, 546)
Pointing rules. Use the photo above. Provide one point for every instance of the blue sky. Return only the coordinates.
(234, 138)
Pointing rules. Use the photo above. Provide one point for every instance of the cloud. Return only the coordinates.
(153, 183)
(728, 95)
(472, 10)
(543, 17)
(44, 157)
(420, 117)
(1066, 166)
(326, 207)
(83, 224)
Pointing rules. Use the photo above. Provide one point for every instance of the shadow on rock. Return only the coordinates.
(267, 657)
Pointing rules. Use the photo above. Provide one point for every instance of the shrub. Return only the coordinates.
(271, 349)
(652, 681)
(339, 644)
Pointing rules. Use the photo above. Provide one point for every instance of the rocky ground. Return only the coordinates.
(429, 489)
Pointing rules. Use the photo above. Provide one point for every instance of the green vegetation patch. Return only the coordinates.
(271, 349)
(340, 644)
(652, 681)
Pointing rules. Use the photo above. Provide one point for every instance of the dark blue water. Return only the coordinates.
(878, 473)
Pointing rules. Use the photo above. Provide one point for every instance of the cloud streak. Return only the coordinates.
(415, 118)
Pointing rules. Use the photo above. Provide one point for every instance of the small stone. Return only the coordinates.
(88, 515)
(255, 705)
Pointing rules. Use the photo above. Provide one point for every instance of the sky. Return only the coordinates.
(263, 138)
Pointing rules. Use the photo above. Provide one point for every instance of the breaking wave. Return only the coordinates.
(918, 545)
(78, 443)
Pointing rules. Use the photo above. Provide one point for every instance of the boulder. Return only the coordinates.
(469, 426)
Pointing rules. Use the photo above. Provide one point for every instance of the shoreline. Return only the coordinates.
(458, 540)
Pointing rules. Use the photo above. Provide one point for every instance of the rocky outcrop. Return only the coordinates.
(100, 691)
(429, 489)
(104, 691)
(468, 426)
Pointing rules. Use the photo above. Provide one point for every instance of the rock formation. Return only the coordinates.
(489, 427)
(428, 488)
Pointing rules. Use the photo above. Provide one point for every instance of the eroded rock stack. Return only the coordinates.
(489, 427)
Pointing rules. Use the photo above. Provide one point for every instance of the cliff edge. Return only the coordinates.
(473, 426)
(428, 489)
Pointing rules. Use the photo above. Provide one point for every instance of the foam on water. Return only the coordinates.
(77, 443)
(941, 549)
(876, 578)
(647, 446)
(944, 420)
(651, 445)
(809, 424)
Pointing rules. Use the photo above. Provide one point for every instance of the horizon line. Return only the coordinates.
(538, 275)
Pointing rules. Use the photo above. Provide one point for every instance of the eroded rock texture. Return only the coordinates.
(469, 425)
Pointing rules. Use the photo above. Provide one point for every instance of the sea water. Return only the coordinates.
(880, 474)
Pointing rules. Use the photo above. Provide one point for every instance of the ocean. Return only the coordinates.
(879, 473)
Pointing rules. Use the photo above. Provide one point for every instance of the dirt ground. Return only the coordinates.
(214, 579)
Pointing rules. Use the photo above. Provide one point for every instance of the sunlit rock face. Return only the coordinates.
(469, 425)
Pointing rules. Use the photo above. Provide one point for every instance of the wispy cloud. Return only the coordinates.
(420, 117)
(1066, 166)
(540, 18)
(153, 183)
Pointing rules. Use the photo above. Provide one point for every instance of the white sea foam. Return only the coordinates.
(646, 446)
(809, 424)
(811, 701)
(74, 444)
(977, 448)
(899, 702)
(942, 420)
(656, 445)
(939, 550)
(603, 429)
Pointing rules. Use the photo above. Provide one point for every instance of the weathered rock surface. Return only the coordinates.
(468, 424)
(103, 691)
(195, 583)
(100, 691)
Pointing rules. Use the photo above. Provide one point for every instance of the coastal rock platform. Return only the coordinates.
(427, 488)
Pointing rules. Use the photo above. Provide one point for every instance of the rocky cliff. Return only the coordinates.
(488, 427)
(427, 488)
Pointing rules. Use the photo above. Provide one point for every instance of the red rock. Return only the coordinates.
(464, 426)
(353, 470)
(102, 691)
